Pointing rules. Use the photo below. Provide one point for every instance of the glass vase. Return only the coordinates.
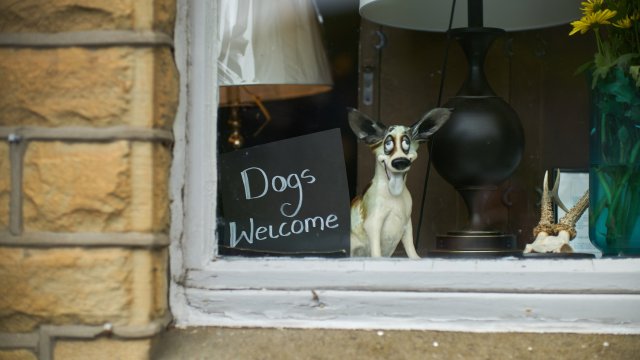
(614, 174)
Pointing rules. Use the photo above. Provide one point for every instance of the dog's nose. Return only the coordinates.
(401, 163)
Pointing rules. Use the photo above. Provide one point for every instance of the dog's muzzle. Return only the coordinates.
(400, 163)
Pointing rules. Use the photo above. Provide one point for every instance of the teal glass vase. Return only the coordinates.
(614, 174)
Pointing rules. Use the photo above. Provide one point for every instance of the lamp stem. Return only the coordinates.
(475, 13)
(476, 43)
(235, 139)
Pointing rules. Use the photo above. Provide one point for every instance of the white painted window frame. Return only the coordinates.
(584, 296)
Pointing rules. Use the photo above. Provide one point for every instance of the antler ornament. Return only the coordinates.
(549, 236)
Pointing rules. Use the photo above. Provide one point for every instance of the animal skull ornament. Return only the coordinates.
(381, 218)
(555, 238)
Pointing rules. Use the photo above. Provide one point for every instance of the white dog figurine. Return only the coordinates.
(382, 216)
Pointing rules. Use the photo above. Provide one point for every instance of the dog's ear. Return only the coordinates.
(367, 130)
(430, 123)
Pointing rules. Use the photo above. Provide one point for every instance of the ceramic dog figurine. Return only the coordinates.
(381, 218)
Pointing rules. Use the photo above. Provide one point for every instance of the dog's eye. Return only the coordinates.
(388, 145)
(406, 144)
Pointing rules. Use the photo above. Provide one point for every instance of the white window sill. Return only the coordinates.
(535, 295)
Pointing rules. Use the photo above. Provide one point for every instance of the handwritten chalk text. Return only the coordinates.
(284, 229)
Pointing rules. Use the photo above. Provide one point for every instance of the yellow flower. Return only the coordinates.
(599, 17)
(581, 25)
(603, 16)
(623, 23)
(590, 6)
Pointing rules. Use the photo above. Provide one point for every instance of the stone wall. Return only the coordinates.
(89, 92)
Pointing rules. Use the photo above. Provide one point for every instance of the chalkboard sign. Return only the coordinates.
(286, 198)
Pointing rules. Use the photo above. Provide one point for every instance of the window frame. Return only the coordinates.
(496, 295)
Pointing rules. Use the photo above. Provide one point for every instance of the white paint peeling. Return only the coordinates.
(524, 276)
(177, 299)
(475, 312)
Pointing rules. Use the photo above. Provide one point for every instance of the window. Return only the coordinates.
(460, 295)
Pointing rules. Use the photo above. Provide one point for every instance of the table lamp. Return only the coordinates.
(482, 143)
(270, 50)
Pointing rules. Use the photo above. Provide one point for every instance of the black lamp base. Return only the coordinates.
(478, 148)
(475, 244)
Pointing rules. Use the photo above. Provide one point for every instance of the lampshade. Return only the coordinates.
(272, 49)
(433, 15)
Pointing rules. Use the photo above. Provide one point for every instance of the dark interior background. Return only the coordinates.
(532, 70)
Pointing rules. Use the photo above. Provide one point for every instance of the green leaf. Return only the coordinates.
(603, 62)
(634, 114)
(620, 86)
(635, 74)
(623, 60)
(605, 185)
(584, 67)
(623, 134)
(634, 153)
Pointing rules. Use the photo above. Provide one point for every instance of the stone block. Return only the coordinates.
(70, 86)
(100, 187)
(80, 286)
(88, 87)
(161, 168)
(83, 15)
(65, 15)
(77, 187)
(164, 15)
(166, 88)
(160, 279)
(100, 349)
(61, 286)
(5, 185)
(17, 355)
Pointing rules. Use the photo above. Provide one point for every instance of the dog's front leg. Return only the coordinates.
(373, 228)
(407, 242)
(374, 243)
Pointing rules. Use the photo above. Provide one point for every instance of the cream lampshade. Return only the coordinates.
(270, 50)
(433, 15)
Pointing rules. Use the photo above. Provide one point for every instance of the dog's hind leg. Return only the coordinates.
(359, 246)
